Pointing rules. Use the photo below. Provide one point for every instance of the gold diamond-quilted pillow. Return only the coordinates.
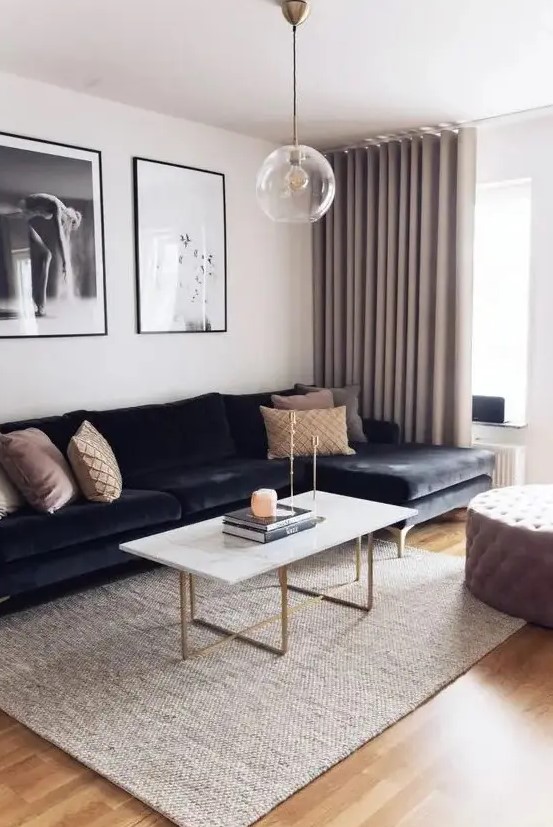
(94, 465)
(329, 425)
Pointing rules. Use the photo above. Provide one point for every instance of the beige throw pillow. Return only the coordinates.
(329, 425)
(10, 498)
(38, 469)
(94, 464)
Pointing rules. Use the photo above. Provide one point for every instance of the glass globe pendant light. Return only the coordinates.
(295, 183)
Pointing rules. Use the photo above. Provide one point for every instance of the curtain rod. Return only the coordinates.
(408, 134)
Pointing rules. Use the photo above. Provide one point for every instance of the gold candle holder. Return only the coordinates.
(315, 444)
(292, 416)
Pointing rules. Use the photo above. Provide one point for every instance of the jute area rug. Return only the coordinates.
(220, 740)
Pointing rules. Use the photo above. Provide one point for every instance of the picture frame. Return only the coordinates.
(180, 248)
(52, 248)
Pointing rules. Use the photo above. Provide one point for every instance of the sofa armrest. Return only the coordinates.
(381, 432)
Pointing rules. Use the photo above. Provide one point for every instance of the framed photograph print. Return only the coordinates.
(52, 279)
(180, 243)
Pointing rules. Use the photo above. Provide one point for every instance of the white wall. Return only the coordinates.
(269, 343)
(523, 149)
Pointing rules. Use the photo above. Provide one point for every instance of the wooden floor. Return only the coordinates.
(479, 754)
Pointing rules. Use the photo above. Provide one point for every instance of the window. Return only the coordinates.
(501, 294)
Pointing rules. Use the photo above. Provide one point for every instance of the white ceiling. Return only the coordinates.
(366, 67)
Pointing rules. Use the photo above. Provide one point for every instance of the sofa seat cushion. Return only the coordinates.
(399, 473)
(26, 533)
(220, 484)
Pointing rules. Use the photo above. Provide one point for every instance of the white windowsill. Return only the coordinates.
(518, 425)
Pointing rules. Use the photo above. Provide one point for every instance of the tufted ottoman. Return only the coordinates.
(510, 551)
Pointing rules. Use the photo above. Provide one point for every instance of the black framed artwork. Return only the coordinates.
(180, 248)
(52, 271)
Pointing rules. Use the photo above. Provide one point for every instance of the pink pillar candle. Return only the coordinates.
(264, 503)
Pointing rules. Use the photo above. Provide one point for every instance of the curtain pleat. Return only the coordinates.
(360, 266)
(464, 225)
(347, 366)
(368, 354)
(393, 283)
(444, 350)
(320, 232)
(392, 221)
(379, 318)
(402, 283)
(340, 265)
(413, 274)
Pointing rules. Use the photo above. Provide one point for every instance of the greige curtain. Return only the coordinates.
(393, 283)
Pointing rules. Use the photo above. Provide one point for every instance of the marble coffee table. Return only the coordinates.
(202, 550)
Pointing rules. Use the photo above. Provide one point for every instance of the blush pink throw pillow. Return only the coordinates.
(316, 401)
(38, 469)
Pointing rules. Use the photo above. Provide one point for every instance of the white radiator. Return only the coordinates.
(509, 463)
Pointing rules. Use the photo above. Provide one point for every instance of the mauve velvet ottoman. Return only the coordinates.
(510, 551)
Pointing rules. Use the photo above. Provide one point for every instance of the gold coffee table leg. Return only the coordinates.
(283, 579)
(358, 559)
(183, 618)
(192, 597)
(187, 582)
(370, 563)
(366, 606)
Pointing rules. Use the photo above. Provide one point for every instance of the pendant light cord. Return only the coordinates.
(294, 28)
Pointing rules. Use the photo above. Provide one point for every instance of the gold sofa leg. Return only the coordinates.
(399, 535)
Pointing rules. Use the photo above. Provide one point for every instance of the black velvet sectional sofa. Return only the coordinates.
(188, 460)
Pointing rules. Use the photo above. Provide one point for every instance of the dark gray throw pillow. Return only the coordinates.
(348, 396)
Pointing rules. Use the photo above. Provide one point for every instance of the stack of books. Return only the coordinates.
(288, 520)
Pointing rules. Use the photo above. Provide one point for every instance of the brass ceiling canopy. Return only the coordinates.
(296, 11)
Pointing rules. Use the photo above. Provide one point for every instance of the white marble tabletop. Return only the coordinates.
(204, 550)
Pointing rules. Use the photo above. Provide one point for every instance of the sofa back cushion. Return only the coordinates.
(348, 396)
(246, 423)
(59, 429)
(151, 437)
(316, 401)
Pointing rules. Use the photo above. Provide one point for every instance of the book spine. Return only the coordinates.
(269, 529)
(265, 536)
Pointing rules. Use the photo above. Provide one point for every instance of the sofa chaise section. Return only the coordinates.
(429, 478)
(399, 474)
